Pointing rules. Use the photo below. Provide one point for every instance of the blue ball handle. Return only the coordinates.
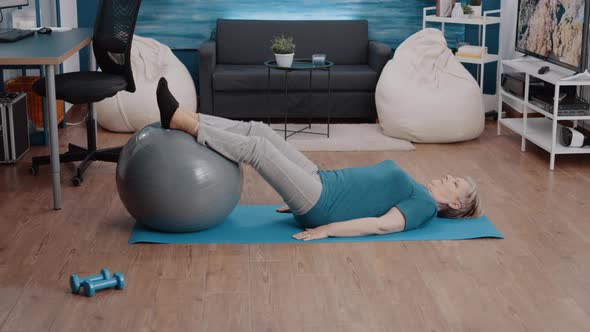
(92, 286)
(76, 282)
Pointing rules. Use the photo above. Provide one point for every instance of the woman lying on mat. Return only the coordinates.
(373, 199)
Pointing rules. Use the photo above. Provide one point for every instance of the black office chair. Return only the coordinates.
(113, 34)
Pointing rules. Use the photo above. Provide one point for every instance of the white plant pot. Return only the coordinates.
(284, 60)
(476, 11)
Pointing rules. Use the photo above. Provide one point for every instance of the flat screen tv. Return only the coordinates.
(554, 30)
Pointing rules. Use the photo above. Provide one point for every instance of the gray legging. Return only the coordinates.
(287, 170)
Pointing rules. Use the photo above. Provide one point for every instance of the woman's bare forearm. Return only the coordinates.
(391, 222)
(354, 227)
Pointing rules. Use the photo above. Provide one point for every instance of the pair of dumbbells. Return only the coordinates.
(97, 282)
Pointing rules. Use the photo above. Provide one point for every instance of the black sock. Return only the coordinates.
(166, 103)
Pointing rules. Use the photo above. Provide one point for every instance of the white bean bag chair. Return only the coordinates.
(150, 60)
(425, 95)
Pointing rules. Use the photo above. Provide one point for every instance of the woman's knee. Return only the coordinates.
(257, 147)
(258, 128)
(256, 150)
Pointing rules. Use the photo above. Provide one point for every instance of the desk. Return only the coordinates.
(48, 51)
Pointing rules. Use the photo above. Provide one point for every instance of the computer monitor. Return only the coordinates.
(13, 3)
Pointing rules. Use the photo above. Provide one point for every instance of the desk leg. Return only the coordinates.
(53, 139)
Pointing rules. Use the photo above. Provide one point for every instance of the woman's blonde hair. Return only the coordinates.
(470, 205)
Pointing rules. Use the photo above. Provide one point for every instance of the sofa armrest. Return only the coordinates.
(379, 54)
(207, 62)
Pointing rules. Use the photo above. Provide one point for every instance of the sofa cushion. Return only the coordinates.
(255, 105)
(255, 78)
(249, 41)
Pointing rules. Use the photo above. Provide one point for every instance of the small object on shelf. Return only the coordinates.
(475, 6)
(460, 43)
(471, 51)
(458, 11)
(474, 56)
(572, 138)
(444, 8)
(318, 59)
(543, 70)
(465, 9)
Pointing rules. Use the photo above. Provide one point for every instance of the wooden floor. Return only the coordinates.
(537, 279)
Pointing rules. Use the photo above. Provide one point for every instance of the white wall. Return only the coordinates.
(508, 27)
(17, 18)
(508, 35)
(69, 18)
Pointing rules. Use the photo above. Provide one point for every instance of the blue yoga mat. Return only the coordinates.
(261, 224)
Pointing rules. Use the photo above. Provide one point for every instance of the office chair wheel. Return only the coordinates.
(34, 170)
(77, 181)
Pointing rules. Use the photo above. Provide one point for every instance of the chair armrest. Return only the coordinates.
(207, 62)
(379, 54)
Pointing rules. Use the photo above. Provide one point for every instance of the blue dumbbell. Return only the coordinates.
(76, 282)
(91, 286)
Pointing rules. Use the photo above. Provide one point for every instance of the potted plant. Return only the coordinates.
(467, 9)
(475, 6)
(284, 50)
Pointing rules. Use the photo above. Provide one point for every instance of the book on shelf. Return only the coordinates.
(467, 55)
(471, 51)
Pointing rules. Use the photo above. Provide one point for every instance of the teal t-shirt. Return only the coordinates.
(370, 191)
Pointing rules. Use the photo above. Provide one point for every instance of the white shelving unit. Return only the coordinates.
(540, 131)
(482, 22)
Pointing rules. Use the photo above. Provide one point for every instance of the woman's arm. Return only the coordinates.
(391, 222)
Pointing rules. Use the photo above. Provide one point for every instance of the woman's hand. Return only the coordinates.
(313, 233)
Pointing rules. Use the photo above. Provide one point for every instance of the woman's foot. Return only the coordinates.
(173, 116)
(166, 103)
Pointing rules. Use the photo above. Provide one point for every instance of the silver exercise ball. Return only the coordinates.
(169, 182)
